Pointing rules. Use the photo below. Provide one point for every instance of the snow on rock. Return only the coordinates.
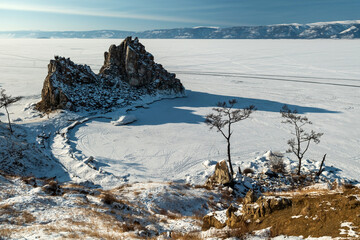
(128, 73)
(348, 229)
(123, 120)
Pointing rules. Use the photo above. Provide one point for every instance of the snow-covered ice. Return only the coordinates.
(169, 141)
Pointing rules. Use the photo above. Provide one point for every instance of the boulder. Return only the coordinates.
(128, 73)
(250, 197)
(234, 217)
(210, 220)
(123, 120)
(221, 175)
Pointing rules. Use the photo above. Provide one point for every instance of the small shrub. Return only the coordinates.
(108, 198)
(52, 188)
(28, 217)
(276, 162)
(248, 171)
(348, 186)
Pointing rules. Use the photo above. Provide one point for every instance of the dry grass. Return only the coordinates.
(301, 191)
(319, 212)
(6, 233)
(97, 225)
(136, 193)
(186, 236)
(82, 233)
(108, 198)
(322, 212)
(25, 218)
(203, 187)
(238, 233)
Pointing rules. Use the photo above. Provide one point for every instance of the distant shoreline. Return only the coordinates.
(323, 30)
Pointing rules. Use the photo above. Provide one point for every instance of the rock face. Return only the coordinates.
(128, 73)
(251, 211)
(211, 221)
(264, 206)
(250, 197)
(220, 176)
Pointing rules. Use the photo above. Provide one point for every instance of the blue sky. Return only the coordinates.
(138, 15)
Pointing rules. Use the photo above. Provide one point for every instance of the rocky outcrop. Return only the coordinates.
(250, 211)
(221, 175)
(128, 73)
(264, 206)
(250, 197)
(60, 85)
(211, 221)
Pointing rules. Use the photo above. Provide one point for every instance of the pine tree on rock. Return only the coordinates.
(300, 144)
(225, 115)
(6, 101)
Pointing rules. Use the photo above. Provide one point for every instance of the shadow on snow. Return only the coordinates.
(175, 110)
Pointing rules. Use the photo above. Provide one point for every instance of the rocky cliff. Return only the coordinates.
(128, 73)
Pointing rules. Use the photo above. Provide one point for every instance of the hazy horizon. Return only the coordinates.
(121, 15)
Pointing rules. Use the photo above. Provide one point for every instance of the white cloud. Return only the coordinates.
(100, 13)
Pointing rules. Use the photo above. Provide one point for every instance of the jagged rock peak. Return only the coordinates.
(129, 72)
(134, 64)
(62, 74)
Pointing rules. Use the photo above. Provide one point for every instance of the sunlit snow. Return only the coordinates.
(169, 140)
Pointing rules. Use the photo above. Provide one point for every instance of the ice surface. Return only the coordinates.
(320, 78)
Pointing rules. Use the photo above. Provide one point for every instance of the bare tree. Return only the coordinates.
(5, 101)
(300, 144)
(225, 115)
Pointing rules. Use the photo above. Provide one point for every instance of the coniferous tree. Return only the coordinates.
(225, 115)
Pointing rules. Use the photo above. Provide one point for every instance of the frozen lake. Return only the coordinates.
(320, 78)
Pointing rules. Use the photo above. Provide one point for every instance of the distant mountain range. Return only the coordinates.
(340, 29)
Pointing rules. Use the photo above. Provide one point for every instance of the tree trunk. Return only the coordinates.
(322, 163)
(298, 173)
(229, 158)
(8, 116)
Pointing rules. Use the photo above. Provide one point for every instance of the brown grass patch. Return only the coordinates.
(6, 233)
(25, 218)
(186, 236)
(318, 214)
(206, 187)
(82, 233)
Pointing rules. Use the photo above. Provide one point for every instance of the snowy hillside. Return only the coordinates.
(339, 29)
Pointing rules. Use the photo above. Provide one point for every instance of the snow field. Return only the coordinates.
(169, 140)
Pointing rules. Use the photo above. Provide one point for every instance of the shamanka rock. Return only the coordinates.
(128, 74)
